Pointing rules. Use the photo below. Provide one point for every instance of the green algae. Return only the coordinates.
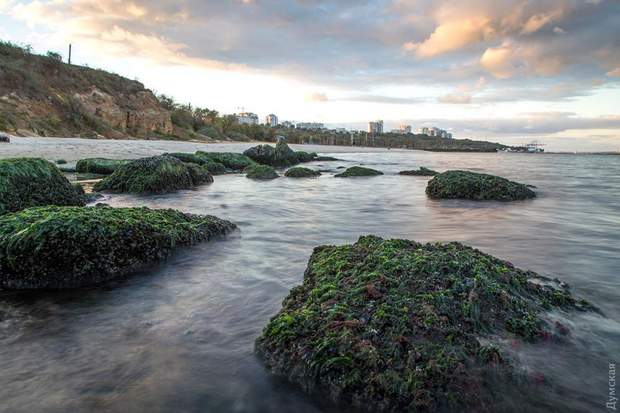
(299, 172)
(260, 172)
(28, 182)
(304, 157)
(422, 171)
(67, 247)
(475, 186)
(187, 157)
(157, 174)
(395, 325)
(232, 161)
(358, 171)
(101, 166)
(279, 156)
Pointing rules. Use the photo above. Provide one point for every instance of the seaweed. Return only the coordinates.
(475, 186)
(358, 171)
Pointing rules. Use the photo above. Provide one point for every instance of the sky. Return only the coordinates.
(511, 71)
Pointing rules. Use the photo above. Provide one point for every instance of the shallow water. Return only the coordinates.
(180, 337)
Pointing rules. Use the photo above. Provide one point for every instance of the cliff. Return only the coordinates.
(40, 95)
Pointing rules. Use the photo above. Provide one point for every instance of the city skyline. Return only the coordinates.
(507, 71)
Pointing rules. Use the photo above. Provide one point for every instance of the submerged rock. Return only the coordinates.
(280, 156)
(326, 158)
(475, 186)
(69, 247)
(395, 325)
(419, 172)
(29, 182)
(232, 161)
(260, 172)
(299, 172)
(61, 162)
(99, 166)
(157, 174)
(358, 171)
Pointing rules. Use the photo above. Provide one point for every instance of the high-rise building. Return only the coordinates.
(375, 127)
(404, 128)
(271, 120)
(247, 118)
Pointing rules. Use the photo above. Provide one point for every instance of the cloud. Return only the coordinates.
(455, 98)
(316, 97)
(614, 73)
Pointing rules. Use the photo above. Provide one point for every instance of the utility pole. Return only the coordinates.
(69, 53)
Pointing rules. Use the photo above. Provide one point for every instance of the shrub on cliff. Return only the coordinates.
(475, 186)
(67, 247)
(395, 325)
(299, 172)
(99, 166)
(157, 174)
(358, 171)
(260, 172)
(28, 182)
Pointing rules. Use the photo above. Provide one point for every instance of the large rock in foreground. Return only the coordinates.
(29, 182)
(99, 166)
(157, 174)
(395, 325)
(475, 186)
(67, 247)
(358, 171)
(279, 156)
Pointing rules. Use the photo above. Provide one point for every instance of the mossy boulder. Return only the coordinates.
(260, 172)
(475, 186)
(29, 182)
(279, 156)
(299, 172)
(157, 174)
(395, 325)
(187, 157)
(68, 247)
(358, 171)
(306, 156)
(233, 161)
(422, 171)
(99, 166)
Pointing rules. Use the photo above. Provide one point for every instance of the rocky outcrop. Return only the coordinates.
(29, 182)
(477, 187)
(260, 172)
(358, 171)
(157, 174)
(280, 156)
(69, 247)
(399, 326)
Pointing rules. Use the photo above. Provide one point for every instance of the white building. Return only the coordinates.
(404, 128)
(271, 120)
(247, 118)
(310, 125)
(433, 131)
(375, 127)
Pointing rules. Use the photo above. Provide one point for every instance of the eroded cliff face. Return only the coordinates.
(45, 97)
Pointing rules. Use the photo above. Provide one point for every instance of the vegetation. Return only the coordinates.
(233, 161)
(395, 325)
(358, 171)
(28, 182)
(475, 186)
(299, 172)
(154, 175)
(261, 172)
(100, 166)
(67, 247)
(419, 172)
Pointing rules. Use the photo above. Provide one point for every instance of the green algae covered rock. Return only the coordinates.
(28, 182)
(279, 156)
(68, 247)
(157, 174)
(99, 166)
(187, 157)
(233, 161)
(299, 172)
(395, 325)
(475, 186)
(260, 172)
(306, 156)
(419, 172)
(358, 171)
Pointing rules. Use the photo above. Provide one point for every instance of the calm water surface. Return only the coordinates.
(179, 338)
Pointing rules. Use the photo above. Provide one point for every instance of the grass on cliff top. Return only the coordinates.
(59, 247)
(100, 166)
(157, 174)
(28, 182)
(476, 186)
(394, 325)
